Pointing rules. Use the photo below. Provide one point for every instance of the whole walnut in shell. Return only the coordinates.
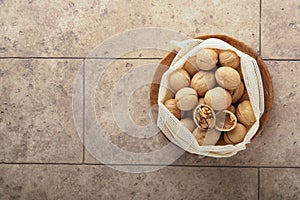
(206, 59)
(206, 137)
(245, 113)
(186, 99)
(190, 66)
(202, 82)
(188, 123)
(218, 98)
(236, 135)
(179, 79)
(171, 106)
(229, 58)
(228, 78)
(237, 93)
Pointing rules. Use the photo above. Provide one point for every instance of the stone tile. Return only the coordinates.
(102, 182)
(130, 129)
(75, 28)
(279, 143)
(280, 29)
(36, 120)
(280, 183)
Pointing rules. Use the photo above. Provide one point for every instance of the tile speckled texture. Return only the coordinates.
(74, 28)
(101, 182)
(280, 184)
(114, 86)
(280, 29)
(36, 120)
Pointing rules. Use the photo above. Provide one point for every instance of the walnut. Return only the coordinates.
(225, 121)
(186, 99)
(171, 106)
(204, 116)
(190, 66)
(206, 137)
(236, 135)
(245, 113)
(202, 82)
(179, 79)
(228, 78)
(218, 98)
(237, 93)
(206, 59)
(229, 58)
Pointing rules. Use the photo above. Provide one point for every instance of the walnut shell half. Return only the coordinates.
(204, 116)
(225, 121)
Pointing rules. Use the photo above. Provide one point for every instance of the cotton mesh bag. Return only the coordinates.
(176, 132)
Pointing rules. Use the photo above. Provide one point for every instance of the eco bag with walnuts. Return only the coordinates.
(203, 107)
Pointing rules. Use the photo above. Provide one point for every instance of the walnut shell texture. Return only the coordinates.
(190, 66)
(202, 82)
(218, 98)
(228, 78)
(186, 99)
(238, 93)
(206, 59)
(229, 58)
(179, 79)
(245, 113)
(236, 135)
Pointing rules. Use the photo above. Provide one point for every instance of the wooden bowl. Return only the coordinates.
(266, 79)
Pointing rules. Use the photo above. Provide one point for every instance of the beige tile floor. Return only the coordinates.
(44, 44)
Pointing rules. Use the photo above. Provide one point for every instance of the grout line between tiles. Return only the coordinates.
(80, 58)
(258, 183)
(99, 58)
(280, 60)
(83, 112)
(260, 19)
(145, 165)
